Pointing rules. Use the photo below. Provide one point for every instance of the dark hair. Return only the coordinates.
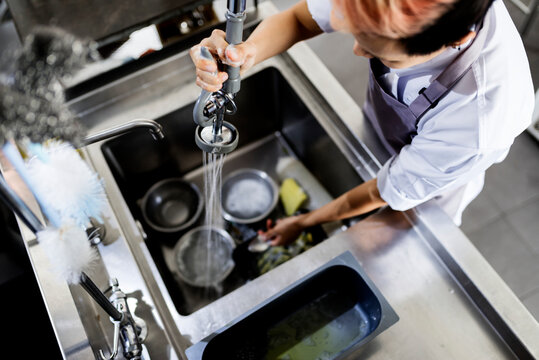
(452, 26)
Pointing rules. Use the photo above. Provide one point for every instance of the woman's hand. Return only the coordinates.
(208, 75)
(284, 231)
(359, 200)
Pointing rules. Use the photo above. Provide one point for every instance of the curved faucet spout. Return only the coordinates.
(156, 130)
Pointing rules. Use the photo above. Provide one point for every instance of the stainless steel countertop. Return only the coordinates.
(451, 303)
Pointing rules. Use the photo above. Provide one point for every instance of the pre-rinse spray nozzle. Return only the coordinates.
(213, 134)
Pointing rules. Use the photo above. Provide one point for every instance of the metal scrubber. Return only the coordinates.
(48, 56)
(24, 116)
(33, 103)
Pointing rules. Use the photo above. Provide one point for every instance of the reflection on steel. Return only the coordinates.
(15, 204)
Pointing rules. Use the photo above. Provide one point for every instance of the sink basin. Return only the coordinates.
(273, 124)
(322, 316)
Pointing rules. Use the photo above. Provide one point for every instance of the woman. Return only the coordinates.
(450, 88)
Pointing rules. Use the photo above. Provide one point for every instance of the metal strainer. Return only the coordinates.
(204, 256)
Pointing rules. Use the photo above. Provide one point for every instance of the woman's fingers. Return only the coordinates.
(234, 56)
(202, 62)
(215, 78)
(216, 43)
(208, 87)
(208, 75)
(242, 55)
(276, 241)
(275, 234)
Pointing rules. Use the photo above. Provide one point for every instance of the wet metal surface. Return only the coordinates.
(423, 265)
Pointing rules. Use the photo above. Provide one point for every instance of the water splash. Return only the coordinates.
(213, 169)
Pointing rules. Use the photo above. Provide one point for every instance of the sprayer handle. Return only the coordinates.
(234, 34)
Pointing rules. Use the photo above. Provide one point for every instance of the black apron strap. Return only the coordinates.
(430, 96)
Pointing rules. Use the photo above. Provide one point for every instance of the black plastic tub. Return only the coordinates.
(325, 315)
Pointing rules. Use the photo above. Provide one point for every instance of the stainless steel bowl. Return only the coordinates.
(172, 205)
(204, 256)
(248, 196)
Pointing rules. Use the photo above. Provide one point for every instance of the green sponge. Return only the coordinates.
(292, 196)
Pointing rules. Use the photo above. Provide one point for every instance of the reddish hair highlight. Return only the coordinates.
(394, 19)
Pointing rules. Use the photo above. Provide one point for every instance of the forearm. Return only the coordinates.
(280, 31)
(359, 200)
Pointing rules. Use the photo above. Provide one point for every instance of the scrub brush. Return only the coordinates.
(48, 56)
(32, 111)
(68, 251)
(64, 241)
(27, 117)
(67, 183)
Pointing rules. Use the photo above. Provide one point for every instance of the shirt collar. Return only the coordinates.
(435, 64)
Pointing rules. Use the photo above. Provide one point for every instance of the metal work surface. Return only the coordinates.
(83, 18)
(82, 328)
(451, 303)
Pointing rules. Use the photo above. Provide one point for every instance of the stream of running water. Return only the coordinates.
(213, 168)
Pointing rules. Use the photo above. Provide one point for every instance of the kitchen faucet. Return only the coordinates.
(156, 130)
(213, 134)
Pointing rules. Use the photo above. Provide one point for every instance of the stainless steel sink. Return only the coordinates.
(281, 113)
(289, 105)
(273, 124)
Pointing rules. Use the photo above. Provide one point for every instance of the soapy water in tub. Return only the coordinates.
(320, 330)
(248, 197)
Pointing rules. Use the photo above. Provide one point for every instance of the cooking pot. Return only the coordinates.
(172, 205)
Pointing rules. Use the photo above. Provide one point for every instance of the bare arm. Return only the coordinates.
(359, 200)
(273, 36)
(280, 31)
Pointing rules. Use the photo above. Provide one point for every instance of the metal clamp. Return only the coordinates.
(115, 344)
(132, 333)
(208, 105)
(220, 100)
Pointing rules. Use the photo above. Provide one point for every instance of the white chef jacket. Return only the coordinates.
(470, 129)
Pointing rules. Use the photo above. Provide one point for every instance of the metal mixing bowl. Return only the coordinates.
(248, 196)
(204, 256)
(172, 205)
